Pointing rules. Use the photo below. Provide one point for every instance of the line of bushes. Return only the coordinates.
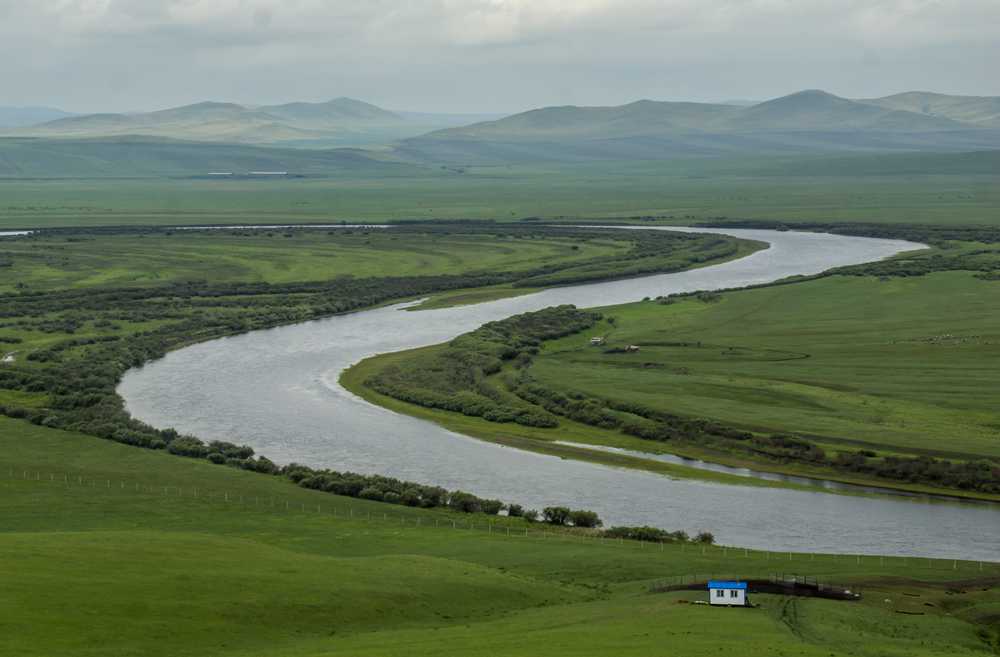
(454, 378)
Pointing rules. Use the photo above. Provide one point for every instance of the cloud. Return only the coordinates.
(438, 54)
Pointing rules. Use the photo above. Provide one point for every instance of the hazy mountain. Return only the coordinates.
(983, 111)
(332, 112)
(803, 122)
(814, 110)
(339, 122)
(16, 117)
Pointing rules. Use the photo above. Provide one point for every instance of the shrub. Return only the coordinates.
(492, 507)
(556, 515)
(371, 493)
(188, 446)
(464, 502)
(581, 518)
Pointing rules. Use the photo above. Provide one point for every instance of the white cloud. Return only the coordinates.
(462, 53)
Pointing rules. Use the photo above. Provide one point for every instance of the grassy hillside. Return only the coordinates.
(978, 110)
(945, 189)
(106, 549)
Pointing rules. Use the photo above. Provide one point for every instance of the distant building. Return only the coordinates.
(597, 342)
(632, 347)
(268, 173)
(727, 593)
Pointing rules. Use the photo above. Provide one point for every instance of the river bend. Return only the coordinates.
(277, 391)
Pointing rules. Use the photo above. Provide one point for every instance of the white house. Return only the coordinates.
(726, 593)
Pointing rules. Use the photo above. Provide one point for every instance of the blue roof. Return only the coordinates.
(721, 584)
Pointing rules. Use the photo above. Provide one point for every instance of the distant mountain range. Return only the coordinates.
(175, 141)
(339, 122)
(807, 121)
(16, 117)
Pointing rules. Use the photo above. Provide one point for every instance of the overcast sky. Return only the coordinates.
(487, 55)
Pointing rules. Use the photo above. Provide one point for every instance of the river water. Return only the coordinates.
(277, 391)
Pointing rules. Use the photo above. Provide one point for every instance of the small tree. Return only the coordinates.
(704, 537)
(530, 515)
(464, 502)
(582, 518)
(492, 507)
(556, 515)
(515, 510)
(371, 493)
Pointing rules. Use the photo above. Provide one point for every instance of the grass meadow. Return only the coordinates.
(915, 189)
(108, 549)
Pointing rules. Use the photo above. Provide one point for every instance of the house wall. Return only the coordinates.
(727, 598)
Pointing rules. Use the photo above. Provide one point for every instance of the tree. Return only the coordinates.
(556, 515)
(582, 518)
(704, 537)
(464, 502)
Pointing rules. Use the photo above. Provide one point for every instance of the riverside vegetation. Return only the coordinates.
(815, 377)
(85, 306)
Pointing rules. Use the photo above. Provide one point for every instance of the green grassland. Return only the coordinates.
(924, 188)
(107, 549)
(275, 256)
(905, 364)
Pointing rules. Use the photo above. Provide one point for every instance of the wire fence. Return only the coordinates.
(452, 520)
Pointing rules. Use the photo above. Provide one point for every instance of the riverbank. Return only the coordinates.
(551, 442)
(234, 563)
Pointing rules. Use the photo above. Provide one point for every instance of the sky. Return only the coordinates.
(487, 55)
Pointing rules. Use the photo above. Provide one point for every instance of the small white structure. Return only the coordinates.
(727, 593)
(597, 341)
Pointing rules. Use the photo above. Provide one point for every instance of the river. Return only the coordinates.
(277, 391)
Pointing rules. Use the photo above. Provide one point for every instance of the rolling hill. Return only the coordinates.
(977, 110)
(338, 122)
(804, 122)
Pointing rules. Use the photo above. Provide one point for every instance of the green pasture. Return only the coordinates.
(108, 549)
(274, 256)
(962, 189)
(903, 365)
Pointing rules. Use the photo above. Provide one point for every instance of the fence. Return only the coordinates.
(469, 522)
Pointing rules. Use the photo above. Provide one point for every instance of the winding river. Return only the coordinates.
(277, 391)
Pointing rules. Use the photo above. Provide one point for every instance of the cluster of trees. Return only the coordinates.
(454, 378)
(658, 253)
(650, 424)
(656, 535)
(979, 475)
